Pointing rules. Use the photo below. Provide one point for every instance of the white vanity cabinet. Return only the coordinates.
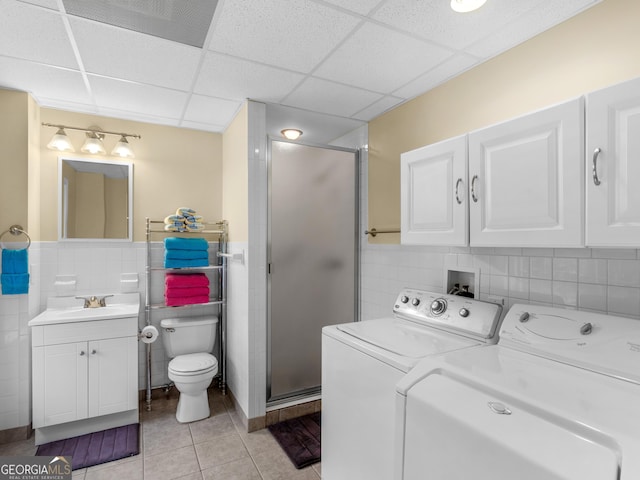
(85, 373)
(526, 180)
(613, 166)
(434, 206)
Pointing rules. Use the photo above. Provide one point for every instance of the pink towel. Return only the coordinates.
(177, 301)
(186, 280)
(175, 292)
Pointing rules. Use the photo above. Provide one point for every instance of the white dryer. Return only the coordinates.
(363, 361)
(558, 398)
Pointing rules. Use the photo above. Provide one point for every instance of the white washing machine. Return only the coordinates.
(558, 398)
(363, 361)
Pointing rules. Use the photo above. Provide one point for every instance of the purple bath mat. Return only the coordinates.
(299, 438)
(95, 448)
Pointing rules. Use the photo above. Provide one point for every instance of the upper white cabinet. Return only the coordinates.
(526, 180)
(613, 166)
(434, 206)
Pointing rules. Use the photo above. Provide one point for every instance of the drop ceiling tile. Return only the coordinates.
(50, 4)
(43, 80)
(378, 108)
(323, 96)
(135, 97)
(534, 22)
(215, 111)
(69, 106)
(291, 34)
(45, 40)
(363, 7)
(443, 72)
(380, 59)
(206, 127)
(234, 78)
(436, 21)
(121, 53)
(138, 117)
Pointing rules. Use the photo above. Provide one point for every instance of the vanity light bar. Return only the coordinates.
(93, 143)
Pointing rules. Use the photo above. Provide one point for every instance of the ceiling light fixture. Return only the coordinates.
(464, 6)
(93, 143)
(291, 133)
(61, 142)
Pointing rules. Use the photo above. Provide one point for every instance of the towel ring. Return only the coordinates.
(15, 230)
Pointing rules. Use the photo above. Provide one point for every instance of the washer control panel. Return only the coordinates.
(459, 314)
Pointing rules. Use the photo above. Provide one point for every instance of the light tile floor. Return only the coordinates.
(211, 449)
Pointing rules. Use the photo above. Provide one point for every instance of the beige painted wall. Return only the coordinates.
(14, 159)
(173, 168)
(592, 50)
(235, 184)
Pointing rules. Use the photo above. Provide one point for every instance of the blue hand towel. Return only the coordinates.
(179, 243)
(14, 283)
(15, 261)
(185, 263)
(186, 254)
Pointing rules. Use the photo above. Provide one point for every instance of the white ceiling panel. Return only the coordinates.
(323, 96)
(216, 111)
(378, 108)
(121, 53)
(291, 34)
(451, 67)
(43, 81)
(230, 77)
(342, 60)
(363, 7)
(45, 39)
(50, 4)
(436, 21)
(527, 26)
(136, 97)
(380, 59)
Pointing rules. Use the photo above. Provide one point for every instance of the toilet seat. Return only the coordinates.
(193, 364)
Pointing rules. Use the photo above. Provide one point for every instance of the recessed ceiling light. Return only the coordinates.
(464, 6)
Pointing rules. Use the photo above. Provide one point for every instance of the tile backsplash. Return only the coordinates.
(594, 279)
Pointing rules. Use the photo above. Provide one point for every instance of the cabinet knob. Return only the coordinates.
(81, 353)
(93, 352)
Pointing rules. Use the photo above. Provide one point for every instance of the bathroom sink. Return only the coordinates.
(69, 310)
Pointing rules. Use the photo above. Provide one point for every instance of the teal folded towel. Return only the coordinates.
(186, 254)
(14, 283)
(185, 263)
(15, 261)
(180, 243)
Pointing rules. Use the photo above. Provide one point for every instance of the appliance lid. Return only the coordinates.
(601, 343)
(187, 321)
(404, 338)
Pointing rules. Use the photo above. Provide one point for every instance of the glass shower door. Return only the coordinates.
(313, 252)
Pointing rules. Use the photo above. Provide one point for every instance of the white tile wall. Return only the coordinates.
(600, 280)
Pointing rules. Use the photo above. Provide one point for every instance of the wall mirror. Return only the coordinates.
(95, 199)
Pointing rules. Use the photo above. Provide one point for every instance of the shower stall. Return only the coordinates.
(313, 259)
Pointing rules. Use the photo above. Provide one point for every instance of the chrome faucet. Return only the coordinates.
(94, 302)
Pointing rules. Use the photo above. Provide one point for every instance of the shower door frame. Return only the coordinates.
(313, 392)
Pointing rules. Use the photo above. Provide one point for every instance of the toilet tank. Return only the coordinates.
(188, 334)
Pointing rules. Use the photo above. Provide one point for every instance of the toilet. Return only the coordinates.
(189, 342)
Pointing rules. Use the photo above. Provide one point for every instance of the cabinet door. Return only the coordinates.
(434, 207)
(113, 375)
(60, 385)
(613, 166)
(527, 179)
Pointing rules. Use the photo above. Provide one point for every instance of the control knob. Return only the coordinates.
(415, 302)
(404, 299)
(438, 306)
(464, 312)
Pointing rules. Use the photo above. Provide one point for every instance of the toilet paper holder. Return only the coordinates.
(148, 334)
